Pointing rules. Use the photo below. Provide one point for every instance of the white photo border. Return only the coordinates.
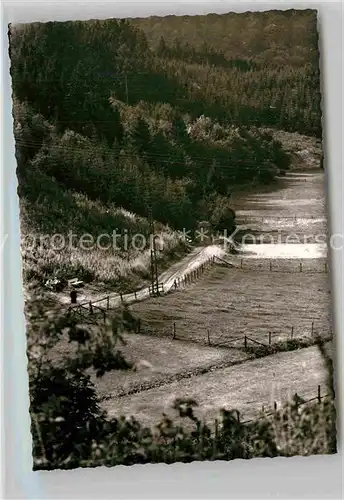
(299, 477)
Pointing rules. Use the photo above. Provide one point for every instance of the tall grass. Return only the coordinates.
(51, 251)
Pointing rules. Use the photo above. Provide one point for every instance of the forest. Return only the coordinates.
(124, 116)
(169, 125)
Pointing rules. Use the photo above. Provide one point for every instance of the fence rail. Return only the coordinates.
(276, 265)
(267, 341)
(295, 218)
(93, 309)
(298, 401)
(89, 308)
(156, 289)
(306, 266)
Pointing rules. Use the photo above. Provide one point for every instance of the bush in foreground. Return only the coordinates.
(291, 431)
(70, 430)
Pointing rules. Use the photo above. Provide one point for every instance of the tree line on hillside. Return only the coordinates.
(269, 38)
(245, 92)
(91, 134)
(206, 54)
(252, 68)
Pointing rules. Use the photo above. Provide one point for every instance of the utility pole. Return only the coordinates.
(154, 264)
(126, 88)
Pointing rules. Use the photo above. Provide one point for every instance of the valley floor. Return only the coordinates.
(229, 303)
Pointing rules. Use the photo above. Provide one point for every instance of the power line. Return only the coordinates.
(161, 157)
(153, 254)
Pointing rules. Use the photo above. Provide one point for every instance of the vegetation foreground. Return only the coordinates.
(70, 430)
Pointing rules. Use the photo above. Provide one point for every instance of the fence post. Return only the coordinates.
(296, 397)
(312, 330)
(121, 296)
(208, 331)
(292, 332)
(275, 405)
(174, 330)
(91, 308)
(216, 436)
(241, 264)
(319, 394)
(300, 267)
(245, 342)
(270, 265)
(104, 315)
(325, 267)
(269, 338)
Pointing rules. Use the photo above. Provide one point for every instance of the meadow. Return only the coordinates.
(191, 344)
(232, 303)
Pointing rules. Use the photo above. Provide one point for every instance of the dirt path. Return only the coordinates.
(192, 261)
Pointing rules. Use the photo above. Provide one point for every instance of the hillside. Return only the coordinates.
(97, 138)
(255, 68)
(273, 37)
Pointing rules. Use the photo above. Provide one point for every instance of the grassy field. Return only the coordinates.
(160, 361)
(243, 387)
(236, 303)
(241, 302)
(50, 249)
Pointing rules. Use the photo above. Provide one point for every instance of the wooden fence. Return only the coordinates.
(262, 218)
(215, 428)
(92, 309)
(99, 308)
(155, 290)
(298, 401)
(89, 311)
(269, 412)
(267, 341)
(194, 275)
(281, 265)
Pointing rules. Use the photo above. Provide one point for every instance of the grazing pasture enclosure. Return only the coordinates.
(244, 387)
(160, 361)
(241, 302)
